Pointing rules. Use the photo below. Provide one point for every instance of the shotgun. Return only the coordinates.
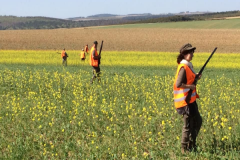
(188, 98)
(100, 53)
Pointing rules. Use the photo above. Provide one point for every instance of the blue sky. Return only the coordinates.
(81, 8)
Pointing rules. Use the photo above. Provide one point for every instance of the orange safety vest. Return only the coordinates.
(93, 62)
(82, 54)
(86, 49)
(181, 93)
(63, 53)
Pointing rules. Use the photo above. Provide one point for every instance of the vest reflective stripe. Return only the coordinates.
(180, 94)
(183, 98)
(181, 91)
(93, 62)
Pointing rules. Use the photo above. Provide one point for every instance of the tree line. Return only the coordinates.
(194, 17)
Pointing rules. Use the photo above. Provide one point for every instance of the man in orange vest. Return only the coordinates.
(64, 57)
(94, 57)
(184, 79)
(86, 49)
(82, 55)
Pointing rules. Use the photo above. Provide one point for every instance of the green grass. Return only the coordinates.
(210, 24)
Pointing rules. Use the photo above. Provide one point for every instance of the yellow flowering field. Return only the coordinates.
(48, 111)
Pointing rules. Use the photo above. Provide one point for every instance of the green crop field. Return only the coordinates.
(53, 112)
(208, 24)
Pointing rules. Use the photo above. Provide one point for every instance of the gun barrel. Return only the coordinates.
(200, 72)
(100, 53)
(101, 48)
(188, 98)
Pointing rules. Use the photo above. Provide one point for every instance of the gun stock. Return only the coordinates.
(188, 98)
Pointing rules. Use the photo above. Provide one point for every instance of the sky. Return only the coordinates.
(80, 8)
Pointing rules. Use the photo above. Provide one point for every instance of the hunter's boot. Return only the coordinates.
(184, 149)
(192, 146)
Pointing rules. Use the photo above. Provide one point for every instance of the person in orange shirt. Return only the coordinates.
(94, 57)
(82, 55)
(86, 48)
(183, 82)
(64, 57)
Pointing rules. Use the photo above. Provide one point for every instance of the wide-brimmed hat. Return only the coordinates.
(187, 47)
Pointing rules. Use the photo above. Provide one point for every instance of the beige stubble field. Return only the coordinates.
(133, 39)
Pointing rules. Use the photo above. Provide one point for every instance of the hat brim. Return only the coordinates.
(190, 48)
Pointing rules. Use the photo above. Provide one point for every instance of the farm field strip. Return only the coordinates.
(123, 39)
(117, 58)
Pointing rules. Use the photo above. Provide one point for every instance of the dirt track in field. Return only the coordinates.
(137, 39)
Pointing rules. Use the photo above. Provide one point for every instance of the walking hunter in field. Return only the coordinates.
(82, 55)
(183, 83)
(94, 61)
(64, 57)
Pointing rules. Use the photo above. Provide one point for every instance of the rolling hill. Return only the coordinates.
(16, 23)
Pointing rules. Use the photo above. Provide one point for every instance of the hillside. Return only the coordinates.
(193, 17)
(15, 23)
(227, 23)
(129, 17)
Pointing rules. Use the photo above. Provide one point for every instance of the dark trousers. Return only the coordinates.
(192, 124)
(64, 62)
(96, 74)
